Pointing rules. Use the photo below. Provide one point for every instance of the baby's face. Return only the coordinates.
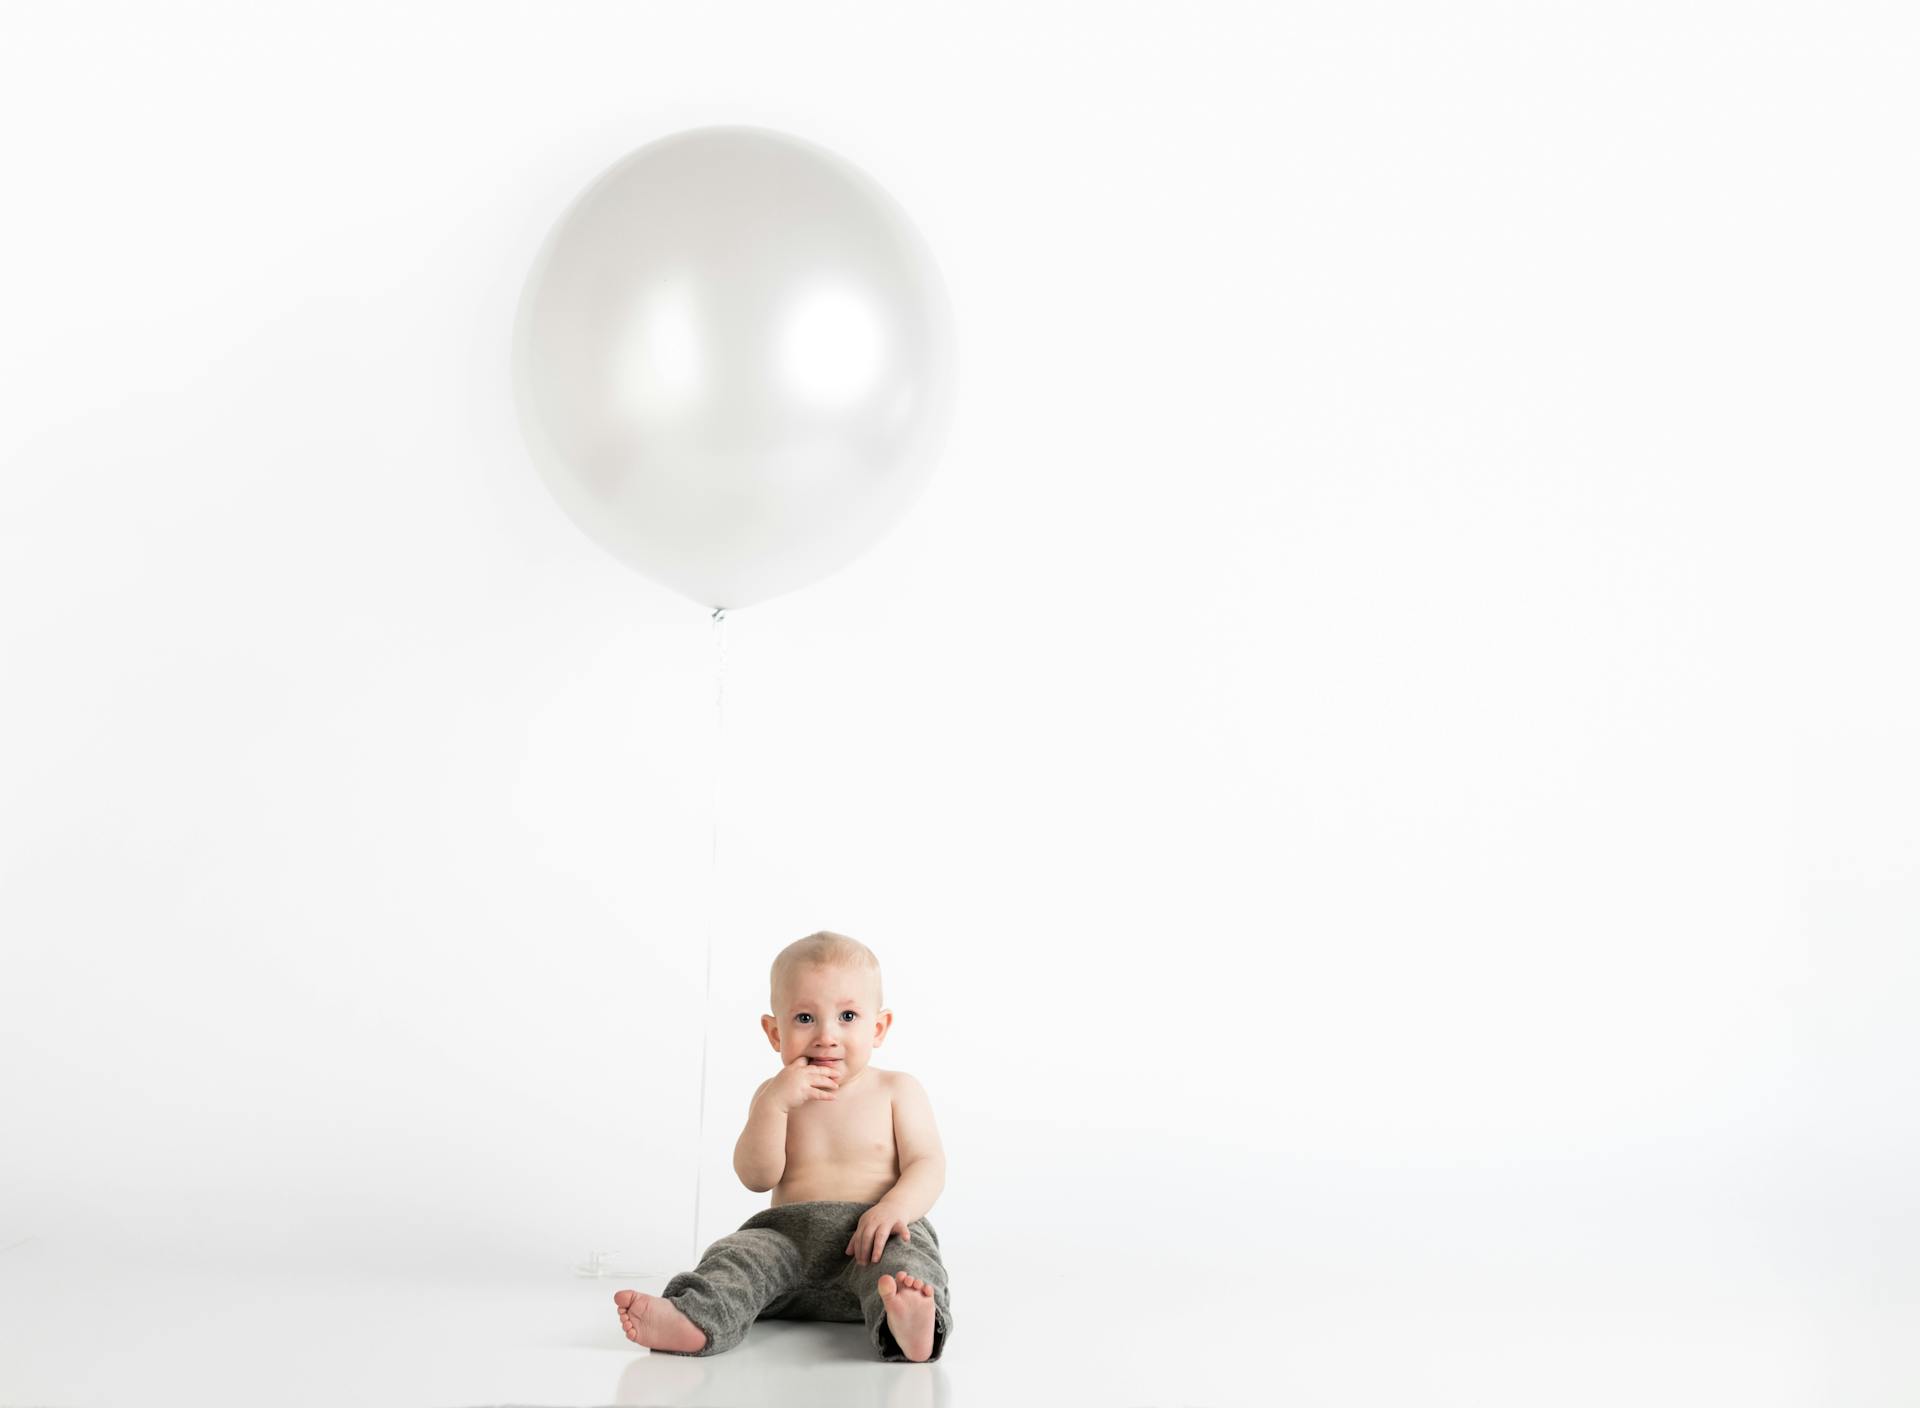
(828, 1016)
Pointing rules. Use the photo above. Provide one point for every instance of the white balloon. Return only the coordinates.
(733, 362)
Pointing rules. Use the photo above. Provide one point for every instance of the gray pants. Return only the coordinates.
(791, 1263)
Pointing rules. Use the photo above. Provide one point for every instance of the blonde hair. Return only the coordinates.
(825, 949)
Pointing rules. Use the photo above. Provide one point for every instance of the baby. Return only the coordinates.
(854, 1161)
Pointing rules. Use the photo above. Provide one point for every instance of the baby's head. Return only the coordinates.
(826, 1004)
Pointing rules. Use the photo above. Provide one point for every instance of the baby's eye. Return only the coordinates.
(851, 1013)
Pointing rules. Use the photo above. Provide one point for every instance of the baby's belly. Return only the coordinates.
(833, 1182)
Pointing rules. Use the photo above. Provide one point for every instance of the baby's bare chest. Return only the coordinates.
(857, 1130)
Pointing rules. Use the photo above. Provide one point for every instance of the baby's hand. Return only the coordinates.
(877, 1224)
(798, 1083)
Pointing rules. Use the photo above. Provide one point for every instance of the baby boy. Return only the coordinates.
(854, 1161)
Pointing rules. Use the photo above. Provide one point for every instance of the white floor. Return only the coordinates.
(77, 1331)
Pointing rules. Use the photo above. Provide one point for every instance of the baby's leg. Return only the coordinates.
(903, 1298)
(740, 1275)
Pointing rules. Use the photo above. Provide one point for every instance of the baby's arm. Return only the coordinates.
(760, 1158)
(923, 1162)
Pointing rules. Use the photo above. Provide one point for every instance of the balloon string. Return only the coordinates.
(596, 1265)
(706, 1009)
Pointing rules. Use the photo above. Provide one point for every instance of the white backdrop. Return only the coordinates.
(1387, 748)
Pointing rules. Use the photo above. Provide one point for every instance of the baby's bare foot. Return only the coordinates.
(909, 1315)
(658, 1323)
